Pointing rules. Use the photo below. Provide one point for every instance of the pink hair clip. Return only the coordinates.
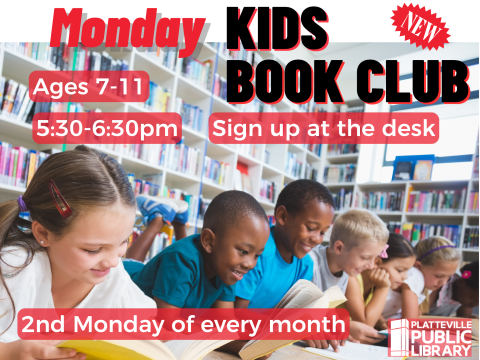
(466, 274)
(384, 254)
(61, 204)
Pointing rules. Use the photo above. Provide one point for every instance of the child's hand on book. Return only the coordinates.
(33, 350)
(381, 324)
(364, 333)
(323, 344)
(380, 278)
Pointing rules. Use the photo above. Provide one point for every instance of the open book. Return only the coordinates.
(304, 294)
(354, 351)
(143, 349)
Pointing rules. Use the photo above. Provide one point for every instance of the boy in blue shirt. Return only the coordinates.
(303, 214)
(200, 271)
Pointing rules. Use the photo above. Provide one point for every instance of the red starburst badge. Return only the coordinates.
(420, 26)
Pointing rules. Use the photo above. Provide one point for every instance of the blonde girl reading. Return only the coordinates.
(437, 260)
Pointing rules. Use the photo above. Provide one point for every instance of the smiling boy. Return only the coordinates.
(303, 214)
(201, 271)
(358, 237)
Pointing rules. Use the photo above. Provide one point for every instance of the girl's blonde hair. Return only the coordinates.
(448, 253)
(428, 256)
(86, 178)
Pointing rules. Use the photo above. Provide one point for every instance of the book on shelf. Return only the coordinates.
(159, 98)
(247, 184)
(256, 106)
(162, 240)
(66, 58)
(242, 180)
(10, 91)
(342, 199)
(37, 51)
(256, 59)
(237, 183)
(241, 54)
(144, 349)
(339, 173)
(216, 171)
(311, 173)
(203, 206)
(407, 230)
(341, 149)
(293, 165)
(415, 232)
(192, 116)
(220, 87)
(402, 170)
(473, 202)
(271, 220)
(252, 150)
(27, 108)
(266, 157)
(14, 100)
(18, 164)
(2, 90)
(423, 170)
(304, 294)
(165, 56)
(182, 158)
(437, 201)
(394, 227)
(380, 200)
(314, 148)
(150, 184)
(150, 153)
(268, 190)
(475, 166)
(200, 73)
(470, 239)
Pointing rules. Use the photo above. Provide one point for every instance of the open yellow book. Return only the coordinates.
(144, 349)
(304, 294)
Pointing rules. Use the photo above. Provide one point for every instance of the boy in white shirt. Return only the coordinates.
(358, 237)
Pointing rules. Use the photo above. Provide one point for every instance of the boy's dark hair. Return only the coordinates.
(295, 195)
(398, 247)
(472, 280)
(227, 209)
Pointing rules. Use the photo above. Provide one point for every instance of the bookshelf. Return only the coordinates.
(272, 169)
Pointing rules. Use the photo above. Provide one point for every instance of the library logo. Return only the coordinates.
(430, 337)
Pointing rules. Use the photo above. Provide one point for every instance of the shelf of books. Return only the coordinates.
(198, 170)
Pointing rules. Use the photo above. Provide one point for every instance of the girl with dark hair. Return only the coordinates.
(367, 293)
(459, 294)
(83, 211)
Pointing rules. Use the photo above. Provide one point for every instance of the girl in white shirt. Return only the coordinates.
(437, 260)
(83, 211)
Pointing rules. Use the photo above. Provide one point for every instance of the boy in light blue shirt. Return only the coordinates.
(272, 277)
(303, 214)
